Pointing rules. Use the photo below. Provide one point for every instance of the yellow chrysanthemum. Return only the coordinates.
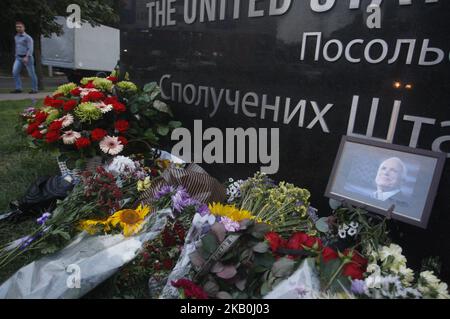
(143, 185)
(230, 211)
(130, 220)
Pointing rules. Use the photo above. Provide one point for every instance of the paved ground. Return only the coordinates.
(23, 96)
(7, 84)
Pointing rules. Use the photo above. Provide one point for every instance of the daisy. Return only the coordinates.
(67, 120)
(70, 137)
(105, 108)
(111, 145)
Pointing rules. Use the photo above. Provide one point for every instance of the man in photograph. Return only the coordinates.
(390, 177)
(24, 58)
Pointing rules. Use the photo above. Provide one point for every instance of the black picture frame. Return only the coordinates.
(432, 190)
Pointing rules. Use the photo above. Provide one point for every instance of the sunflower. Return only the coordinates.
(93, 227)
(130, 220)
(231, 212)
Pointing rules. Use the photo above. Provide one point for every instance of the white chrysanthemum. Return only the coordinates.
(373, 269)
(67, 120)
(121, 165)
(104, 108)
(111, 145)
(392, 258)
(407, 275)
(70, 137)
(430, 278)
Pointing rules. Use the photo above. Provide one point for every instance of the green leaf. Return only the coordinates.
(163, 130)
(162, 107)
(228, 272)
(260, 230)
(149, 87)
(63, 234)
(223, 295)
(283, 267)
(322, 225)
(210, 243)
(261, 248)
(264, 261)
(175, 124)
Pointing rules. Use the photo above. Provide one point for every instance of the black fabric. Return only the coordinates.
(40, 197)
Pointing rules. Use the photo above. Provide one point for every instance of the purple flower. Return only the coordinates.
(27, 241)
(358, 287)
(181, 200)
(203, 210)
(230, 225)
(164, 191)
(312, 212)
(43, 219)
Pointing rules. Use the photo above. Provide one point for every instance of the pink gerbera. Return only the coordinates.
(111, 145)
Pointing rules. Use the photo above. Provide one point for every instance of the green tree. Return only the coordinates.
(39, 18)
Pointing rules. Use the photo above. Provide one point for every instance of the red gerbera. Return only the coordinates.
(37, 135)
(41, 117)
(119, 107)
(49, 101)
(55, 126)
(32, 127)
(70, 105)
(52, 136)
(122, 126)
(112, 79)
(76, 92)
(57, 95)
(93, 96)
(98, 134)
(123, 140)
(90, 85)
(82, 142)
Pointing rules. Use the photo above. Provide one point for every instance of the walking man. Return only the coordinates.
(24, 58)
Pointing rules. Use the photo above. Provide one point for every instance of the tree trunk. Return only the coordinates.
(37, 56)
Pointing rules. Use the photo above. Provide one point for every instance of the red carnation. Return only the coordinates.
(52, 136)
(55, 126)
(112, 79)
(76, 92)
(82, 142)
(70, 105)
(37, 135)
(41, 117)
(296, 241)
(275, 241)
(122, 126)
(123, 140)
(32, 127)
(93, 96)
(98, 134)
(119, 107)
(329, 254)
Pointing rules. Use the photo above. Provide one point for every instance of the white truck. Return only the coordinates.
(80, 52)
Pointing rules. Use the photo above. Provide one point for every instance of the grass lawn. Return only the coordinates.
(20, 167)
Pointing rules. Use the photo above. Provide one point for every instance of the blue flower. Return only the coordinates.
(43, 219)
(359, 287)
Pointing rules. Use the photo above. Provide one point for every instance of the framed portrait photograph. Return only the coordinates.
(380, 177)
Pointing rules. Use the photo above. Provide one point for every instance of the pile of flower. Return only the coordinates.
(102, 202)
(253, 246)
(99, 118)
